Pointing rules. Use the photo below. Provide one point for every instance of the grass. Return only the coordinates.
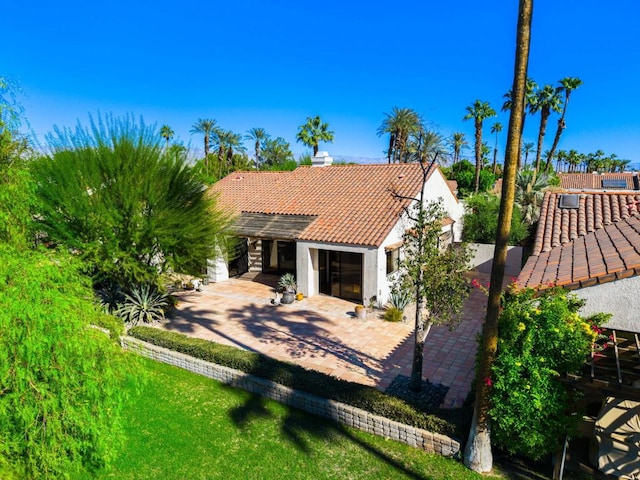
(184, 426)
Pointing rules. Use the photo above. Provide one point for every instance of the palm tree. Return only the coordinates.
(257, 135)
(561, 159)
(206, 127)
(495, 128)
(458, 142)
(477, 454)
(479, 111)
(547, 100)
(530, 87)
(400, 124)
(167, 133)
(313, 132)
(530, 193)
(567, 85)
(573, 159)
(527, 148)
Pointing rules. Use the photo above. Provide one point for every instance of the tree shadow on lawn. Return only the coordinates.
(298, 425)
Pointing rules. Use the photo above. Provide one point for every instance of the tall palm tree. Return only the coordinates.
(547, 100)
(567, 85)
(206, 127)
(167, 133)
(458, 142)
(561, 159)
(530, 89)
(257, 135)
(400, 124)
(495, 128)
(477, 454)
(527, 148)
(479, 111)
(313, 132)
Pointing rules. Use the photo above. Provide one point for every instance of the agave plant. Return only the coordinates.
(144, 305)
(111, 297)
(399, 298)
(288, 282)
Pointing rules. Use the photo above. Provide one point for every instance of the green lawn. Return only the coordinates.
(184, 426)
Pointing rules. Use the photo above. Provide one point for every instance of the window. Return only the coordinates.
(393, 257)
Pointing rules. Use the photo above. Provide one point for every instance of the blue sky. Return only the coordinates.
(271, 64)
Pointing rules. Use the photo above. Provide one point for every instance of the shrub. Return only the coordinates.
(445, 421)
(62, 382)
(541, 338)
(481, 220)
(393, 314)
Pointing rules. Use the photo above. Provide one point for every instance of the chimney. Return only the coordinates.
(321, 159)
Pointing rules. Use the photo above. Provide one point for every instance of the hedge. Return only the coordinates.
(451, 422)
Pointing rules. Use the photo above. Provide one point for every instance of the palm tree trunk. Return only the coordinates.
(543, 127)
(478, 148)
(477, 454)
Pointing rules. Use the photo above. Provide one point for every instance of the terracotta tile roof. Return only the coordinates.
(593, 181)
(352, 203)
(597, 242)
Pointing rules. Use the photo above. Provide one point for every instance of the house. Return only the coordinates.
(599, 181)
(336, 227)
(588, 241)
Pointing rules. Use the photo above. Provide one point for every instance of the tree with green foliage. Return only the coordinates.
(481, 220)
(457, 142)
(276, 152)
(479, 111)
(542, 337)
(530, 190)
(167, 133)
(567, 85)
(463, 172)
(313, 132)
(62, 382)
(129, 209)
(546, 101)
(530, 89)
(495, 128)
(257, 135)
(400, 124)
(206, 127)
(431, 273)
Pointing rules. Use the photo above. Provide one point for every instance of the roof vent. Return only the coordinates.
(569, 201)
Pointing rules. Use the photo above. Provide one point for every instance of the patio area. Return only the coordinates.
(322, 333)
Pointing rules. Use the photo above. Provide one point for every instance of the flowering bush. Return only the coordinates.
(541, 338)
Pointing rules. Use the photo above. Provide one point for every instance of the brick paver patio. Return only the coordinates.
(322, 333)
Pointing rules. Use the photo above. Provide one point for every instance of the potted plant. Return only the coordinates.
(361, 312)
(288, 286)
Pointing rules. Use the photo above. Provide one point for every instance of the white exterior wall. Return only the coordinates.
(620, 298)
(217, 270)
(437, 187)
(307, 267)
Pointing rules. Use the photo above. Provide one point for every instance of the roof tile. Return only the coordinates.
(353, 203)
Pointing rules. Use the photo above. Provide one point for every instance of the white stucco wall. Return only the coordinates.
(217, 270)
(437, 187)
(620, 298)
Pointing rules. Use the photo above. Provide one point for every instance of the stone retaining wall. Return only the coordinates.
(340, 412)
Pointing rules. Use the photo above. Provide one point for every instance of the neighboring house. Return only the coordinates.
(337, 228)
(599, 181)
(589, 242)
